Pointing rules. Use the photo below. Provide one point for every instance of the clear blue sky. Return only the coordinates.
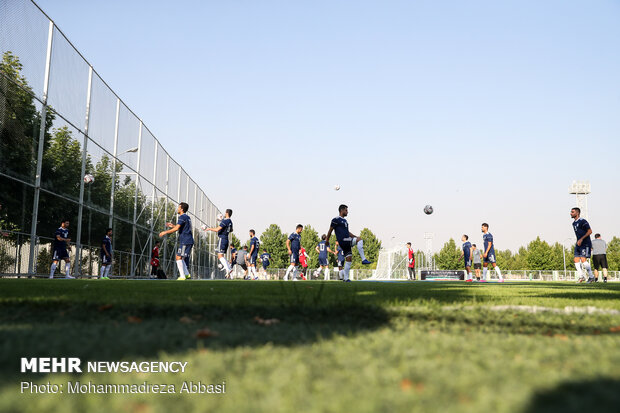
(485, 109)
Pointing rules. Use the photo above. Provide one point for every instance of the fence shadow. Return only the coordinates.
(600, 395)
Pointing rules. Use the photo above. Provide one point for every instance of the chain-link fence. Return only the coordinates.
(60, 121)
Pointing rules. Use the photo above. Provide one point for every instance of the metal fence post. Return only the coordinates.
(135, 206)
(37, 182)
(78, 241)
(113, 188)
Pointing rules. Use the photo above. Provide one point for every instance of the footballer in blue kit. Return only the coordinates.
(253, 254)
(61, 242)
(489, 253)
(323, 251)
(583, 246)
(265, 259)
(185, 241)
(346, 239)
(106, 255)
(223, 230)
(467, 256)
(293, 245)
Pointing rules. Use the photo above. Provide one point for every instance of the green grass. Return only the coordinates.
(358, 347)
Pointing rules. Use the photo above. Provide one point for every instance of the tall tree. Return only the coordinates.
(449, 257)
(613, 254)
(274, 241)
(539, 255)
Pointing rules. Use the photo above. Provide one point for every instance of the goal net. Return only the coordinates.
(392, 264)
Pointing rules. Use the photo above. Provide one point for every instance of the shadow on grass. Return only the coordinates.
(600, 395)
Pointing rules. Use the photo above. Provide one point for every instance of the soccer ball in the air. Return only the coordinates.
(336, 187)
(220, 217)
(428, 210)
(89, 179)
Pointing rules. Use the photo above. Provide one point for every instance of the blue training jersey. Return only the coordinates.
(254, 241)
(227, 227)
(488, 239)
(322, 250)
(466, 249)
(185, 231)
(581, 227)
(341, 228)
(108, 245)
(265, 257)
(64, 233)
(295, 242)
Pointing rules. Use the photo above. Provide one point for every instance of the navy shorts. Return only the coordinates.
(490, 259)
(345, 244)
(184, 250)
(467, 263)
(60, 254)
(252, 259)
(341, 263)
(295, 258)
(265, 265)
(105, 260)
(583, 252)
(323, 261)
(222, 245)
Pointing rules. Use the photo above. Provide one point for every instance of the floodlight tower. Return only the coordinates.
(581, 189)
(428, 236)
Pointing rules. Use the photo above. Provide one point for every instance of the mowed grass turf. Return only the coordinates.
(319, 346)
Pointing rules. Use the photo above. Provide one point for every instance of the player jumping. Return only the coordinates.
(489, 253)
(583, 247)
(293, 245)
(186, 240)
(346, 240)
(225, 227)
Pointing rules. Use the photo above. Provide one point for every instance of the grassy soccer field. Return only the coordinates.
(320, 347)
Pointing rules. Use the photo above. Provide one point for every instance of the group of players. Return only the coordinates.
(248, 259)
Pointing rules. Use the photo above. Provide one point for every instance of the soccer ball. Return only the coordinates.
(89, 179)
(428, 210)
(336, 187)
(220, 217)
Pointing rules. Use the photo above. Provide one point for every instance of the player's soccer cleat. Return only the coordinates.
(70, 277)
(347, 281)
(302, 277)
(469, 281)
(366, 262)
(581, 279)
(181, 278)
(188, 276)
(51, 277)
(590, 280)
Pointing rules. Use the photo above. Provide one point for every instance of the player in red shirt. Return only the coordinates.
(303, 260)
(155, 260)
(410, 263)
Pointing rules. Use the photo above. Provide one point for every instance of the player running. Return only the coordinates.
(583, 247)
(225, 228)
(467, 255)
(106, 255)
(61, 242)
(293, 245)
(323, 251)
(303, 260)
(346, 240)
(253, 254)
(489, 253)
(265, 259)
(186, 240)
